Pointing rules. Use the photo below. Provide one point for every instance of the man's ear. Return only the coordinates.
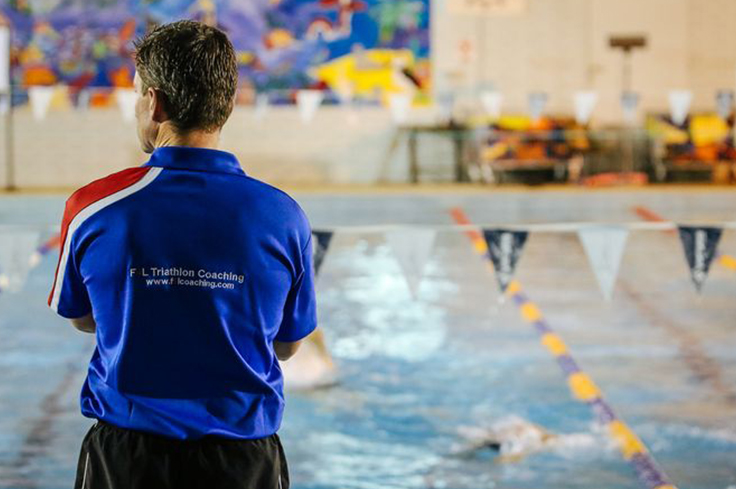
(157, 105)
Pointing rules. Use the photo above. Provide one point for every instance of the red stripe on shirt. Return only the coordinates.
(88, 195)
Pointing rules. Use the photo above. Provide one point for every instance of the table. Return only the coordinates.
(458, 135)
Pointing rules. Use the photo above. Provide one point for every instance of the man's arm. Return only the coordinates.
(284, 350)
(85, 324)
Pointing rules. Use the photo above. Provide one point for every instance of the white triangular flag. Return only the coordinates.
(308, 102)
(83, 99)
(629, 106)
(680, 101)
(126, 99)
(16, 249)
(492, 103)
(412, 249)
(604, 246)
(40, 101)
(585, 102)
(537, 104)
(400, 104)
(446, 105)
(261, 106)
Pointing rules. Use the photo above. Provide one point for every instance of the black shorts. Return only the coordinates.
(117, 458)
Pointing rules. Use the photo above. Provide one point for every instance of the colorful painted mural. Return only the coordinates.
(353, 47)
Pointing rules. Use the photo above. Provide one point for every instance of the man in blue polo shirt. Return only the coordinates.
(196, 280)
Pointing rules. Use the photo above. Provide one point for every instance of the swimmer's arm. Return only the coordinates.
(284, 351)
(85, 324)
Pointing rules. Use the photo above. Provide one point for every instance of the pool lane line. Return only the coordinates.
(39, 436)
(37, 440)
(646, 214)
(691, 350)
(580, 384)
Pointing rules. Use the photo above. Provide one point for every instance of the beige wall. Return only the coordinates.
(561, 46)
(71, 148)
(558, 46)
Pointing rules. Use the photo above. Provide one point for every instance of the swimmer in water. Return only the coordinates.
(515, 438)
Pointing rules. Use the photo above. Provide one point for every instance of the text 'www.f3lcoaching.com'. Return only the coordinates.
(186, 277)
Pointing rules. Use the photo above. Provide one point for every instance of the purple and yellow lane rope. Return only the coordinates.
(582, 387)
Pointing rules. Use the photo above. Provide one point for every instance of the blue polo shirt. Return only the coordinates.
(191, 270)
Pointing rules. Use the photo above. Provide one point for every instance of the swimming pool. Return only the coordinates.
(417, 376)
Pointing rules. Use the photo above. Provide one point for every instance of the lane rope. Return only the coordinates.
(582, 386)
(695, 356)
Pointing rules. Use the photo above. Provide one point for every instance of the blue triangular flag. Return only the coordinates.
(321, 243)
(504, 249)
(700, 245)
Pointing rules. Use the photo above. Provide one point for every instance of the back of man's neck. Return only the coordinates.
(167, 136)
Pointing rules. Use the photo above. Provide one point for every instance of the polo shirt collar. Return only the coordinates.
(195, 159)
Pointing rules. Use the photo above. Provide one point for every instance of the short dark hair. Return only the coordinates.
(195, 67)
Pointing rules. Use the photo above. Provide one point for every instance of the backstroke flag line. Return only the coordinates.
(126, 99)
(320, 244)
(400, 104)
(604, 247)
(680, 101)
(700, 245)
(724, 103)
(261, 106)
(504, 248)
(537, 104)
(83, 99)
(16, 249)
(412, 249)
(629, 106)
(492, 103)
(308, 102)
(585, 102)
(446, 104)
(40, 101)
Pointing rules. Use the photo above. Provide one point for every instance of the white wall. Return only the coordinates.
(558, 46)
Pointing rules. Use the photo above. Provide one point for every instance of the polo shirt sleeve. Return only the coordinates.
(69, 297)
(300, 311)
(73, 301)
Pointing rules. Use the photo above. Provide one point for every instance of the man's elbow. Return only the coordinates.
(86, 329)
(85, 324)
(285, 351)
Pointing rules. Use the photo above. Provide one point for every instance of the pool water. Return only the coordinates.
(419, 375)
